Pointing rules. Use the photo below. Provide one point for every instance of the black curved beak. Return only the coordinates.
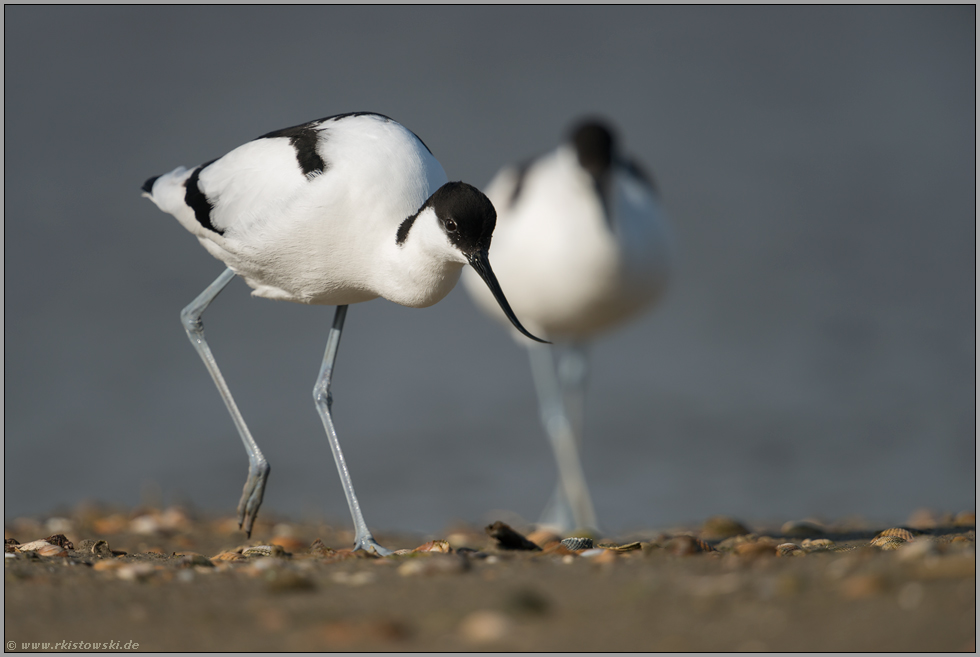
(481, 263)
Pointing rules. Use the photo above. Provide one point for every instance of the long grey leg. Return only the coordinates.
(324, 406)
(258, 467)
(561, 396)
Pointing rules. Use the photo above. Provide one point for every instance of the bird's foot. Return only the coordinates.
(252, 493)
(371, 546)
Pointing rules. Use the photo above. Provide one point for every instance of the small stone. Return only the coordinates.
(686, 545)
(360, 578)
(60, 541)
(191, 559)
(920, 549)
(289, 544)
(856, 587)
(733, 541)
(461, 539)
(910, 596)
(135, 571)
(965, 519)
(114, 524)
(606, 557)
(287, 581)
(58, 526)
(318, 549)
(435, 564)
(756, 550)
(543, 538)
(485, 627)
(721, 527)
(527, 602)
(928, 519)
(557, 549)
(801, 528)
(508, 539)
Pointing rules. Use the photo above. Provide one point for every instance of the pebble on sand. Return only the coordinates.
(485, 626)
(508, 539)
(717, 528)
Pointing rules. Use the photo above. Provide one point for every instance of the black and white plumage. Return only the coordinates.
(582, 246)
(335, 211)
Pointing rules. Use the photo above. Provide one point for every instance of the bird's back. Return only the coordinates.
(299, 213)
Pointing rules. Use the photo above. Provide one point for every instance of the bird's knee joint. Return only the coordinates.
(191, 321)
(322, 396)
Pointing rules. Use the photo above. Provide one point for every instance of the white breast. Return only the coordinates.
(565, 272)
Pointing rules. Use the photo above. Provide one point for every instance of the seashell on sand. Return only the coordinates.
(789, 550)
(52, 551)
(32, 546)
(888, 542)
(577, 543)
(263, 551)
(900, 532)
(438, 546)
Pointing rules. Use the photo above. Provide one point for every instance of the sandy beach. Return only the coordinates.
(169, 580)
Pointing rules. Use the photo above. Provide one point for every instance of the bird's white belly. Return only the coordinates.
(580, 294)
(567, 275)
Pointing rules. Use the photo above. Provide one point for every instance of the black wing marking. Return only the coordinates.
(634, 169)
(198, 201)
(303, 138)
(522, 170)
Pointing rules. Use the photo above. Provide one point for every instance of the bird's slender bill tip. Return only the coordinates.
(480, 261)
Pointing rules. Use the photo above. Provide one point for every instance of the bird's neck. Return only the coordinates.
(421, 270)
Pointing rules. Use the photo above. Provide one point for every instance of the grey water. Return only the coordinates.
(815, 355)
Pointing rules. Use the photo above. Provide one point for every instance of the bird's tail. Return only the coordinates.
(167, 190)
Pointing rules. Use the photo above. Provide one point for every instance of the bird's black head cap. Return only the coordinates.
(466, 215)
(594, 142)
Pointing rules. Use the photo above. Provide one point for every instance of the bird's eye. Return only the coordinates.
(450, 226)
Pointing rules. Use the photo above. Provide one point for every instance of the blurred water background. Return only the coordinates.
(815, 356)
